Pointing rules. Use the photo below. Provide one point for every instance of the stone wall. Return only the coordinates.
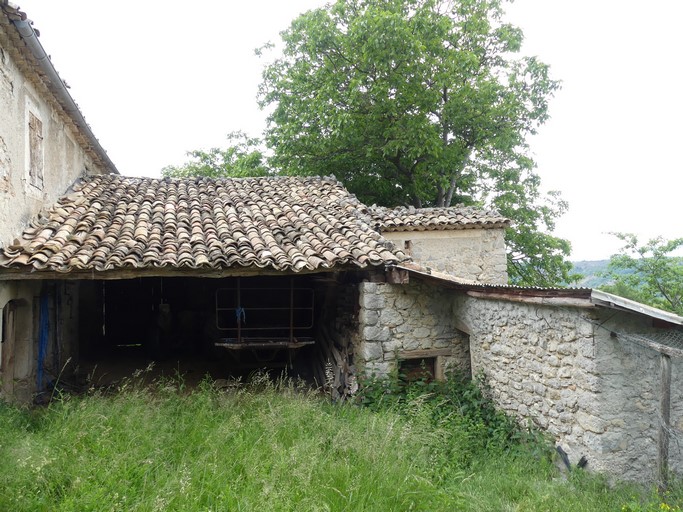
(562, 368)
(408, 321)
(473, 254)
(540, 363)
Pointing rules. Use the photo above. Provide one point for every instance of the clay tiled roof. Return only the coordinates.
(423, 219)
(281, 223)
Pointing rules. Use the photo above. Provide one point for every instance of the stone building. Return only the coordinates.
(228, 275)
(45, 146)
(588, 367)
(433, 236)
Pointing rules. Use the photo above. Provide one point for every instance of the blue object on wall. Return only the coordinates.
(43, 335)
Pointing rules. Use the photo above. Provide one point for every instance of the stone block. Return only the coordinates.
(369, 317)
(586, 347)
(369, 288)
(404, 301)
(392, 345)
(376, 333)
(404, 328)
(391, 317)
(443, 343)
(371, 351)
(411, 344)
(373, 300)
(590, 423)
(421, 332)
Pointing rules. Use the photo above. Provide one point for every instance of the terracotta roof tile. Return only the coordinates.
(282, 223)
(423, 219)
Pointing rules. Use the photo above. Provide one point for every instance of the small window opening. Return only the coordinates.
(408, 246)
(421, 368)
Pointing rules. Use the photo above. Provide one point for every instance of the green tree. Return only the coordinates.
(419, 102)
(243, 157)
(648, 273)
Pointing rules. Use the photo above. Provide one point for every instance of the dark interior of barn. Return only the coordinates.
(193, 327)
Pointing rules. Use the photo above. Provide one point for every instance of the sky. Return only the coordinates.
(156, 79)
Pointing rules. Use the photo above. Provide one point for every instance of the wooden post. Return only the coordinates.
(291, 310)
(239, 310)
(665, 416)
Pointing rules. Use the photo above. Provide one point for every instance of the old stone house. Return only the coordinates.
(45, 145)
(240, 273)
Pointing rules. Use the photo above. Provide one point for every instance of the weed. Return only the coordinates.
(275, 445)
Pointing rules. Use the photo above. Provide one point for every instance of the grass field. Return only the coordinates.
(266, 446)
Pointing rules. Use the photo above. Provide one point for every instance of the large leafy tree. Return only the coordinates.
(421, 102)
(649, 273)
(243, 157)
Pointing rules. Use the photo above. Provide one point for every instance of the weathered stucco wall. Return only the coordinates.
(404, 322)
(629, 405)
(20, 343)
(473, 254)
(32, 134)
(18, 351)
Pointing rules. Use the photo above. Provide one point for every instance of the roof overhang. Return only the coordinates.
(604, 299)
(571, 297)
(135, 273)
(41, 67)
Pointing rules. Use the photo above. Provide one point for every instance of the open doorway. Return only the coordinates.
(224, 328)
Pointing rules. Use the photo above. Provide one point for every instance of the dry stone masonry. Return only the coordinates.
(408, 321)
(572, 371)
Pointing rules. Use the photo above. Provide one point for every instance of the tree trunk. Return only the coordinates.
(451, 191)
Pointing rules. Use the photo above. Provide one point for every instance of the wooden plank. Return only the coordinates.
(419, 354)
(265, 344)
(7, 274)
(662, 349)
(7, 362)
(545, 301)
(665, 417)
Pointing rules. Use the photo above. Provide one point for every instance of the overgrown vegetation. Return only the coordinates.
(267, 446)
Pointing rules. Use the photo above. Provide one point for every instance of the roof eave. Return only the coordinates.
(600, 298)
(56, 85)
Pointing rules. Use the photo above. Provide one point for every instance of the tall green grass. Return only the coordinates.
(279, 446)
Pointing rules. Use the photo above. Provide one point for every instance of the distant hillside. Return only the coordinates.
(590, 270)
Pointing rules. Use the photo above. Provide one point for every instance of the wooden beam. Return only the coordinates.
(662, 349)
(430, 352)
(94, 275)
(665, 417)
(543, 301)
